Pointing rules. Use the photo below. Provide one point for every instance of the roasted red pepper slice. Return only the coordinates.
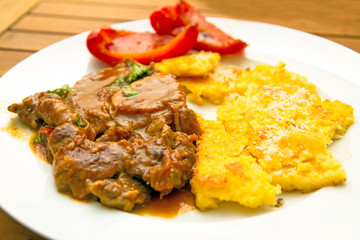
(169, 20)
(111, 46)
(46, 129)
(166, 20)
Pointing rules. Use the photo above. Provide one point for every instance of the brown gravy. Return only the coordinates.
(17, 131)
(176, 203)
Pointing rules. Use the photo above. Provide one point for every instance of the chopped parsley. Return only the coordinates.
(138, 71)
(63, 91)
(38, 139)
(129, 91)
(80, 123)
(120, 81)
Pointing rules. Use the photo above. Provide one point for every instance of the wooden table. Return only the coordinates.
(27, 26)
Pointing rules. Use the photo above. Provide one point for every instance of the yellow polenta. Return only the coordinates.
(194, 65)
(289, 135)
(272, 130)
(225, 172)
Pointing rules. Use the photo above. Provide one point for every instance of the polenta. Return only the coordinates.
(224, 171)
(271, 134)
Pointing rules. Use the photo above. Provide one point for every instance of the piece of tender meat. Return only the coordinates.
(187, 121)
(157, 92)
(65, 134)
(117, 133)
(164, 162)
(123, 192)
(83, 159)
(27, 110)
(92, 94)
(171, 156)
(44, 107)
(54, 111)
(161, 99)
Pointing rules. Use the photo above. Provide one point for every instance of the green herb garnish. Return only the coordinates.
(120, 81)
(138, 71)
(80, 123)
(129, 91)
(38, 139)
(63, 91)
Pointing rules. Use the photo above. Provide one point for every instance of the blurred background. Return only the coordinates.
(27, 26)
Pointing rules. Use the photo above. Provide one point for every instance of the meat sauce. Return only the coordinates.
(117, 149)
(176, 203)
(16, 131)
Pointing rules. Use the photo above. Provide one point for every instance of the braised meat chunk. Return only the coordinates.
(27, 110)
(123, 192)
(111, 146)
(164, 162)
(160, 100)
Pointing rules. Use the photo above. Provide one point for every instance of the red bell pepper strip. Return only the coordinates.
(111, 46)
(46, 129)
(168, 20)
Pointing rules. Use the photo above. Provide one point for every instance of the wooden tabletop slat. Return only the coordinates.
(94, 11)
(13, 11)
(58, 24)
(28, 41)
(138, 3)
(27, 26)
(352, 43)
(12, 230)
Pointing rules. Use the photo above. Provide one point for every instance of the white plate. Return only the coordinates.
(27, 187)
